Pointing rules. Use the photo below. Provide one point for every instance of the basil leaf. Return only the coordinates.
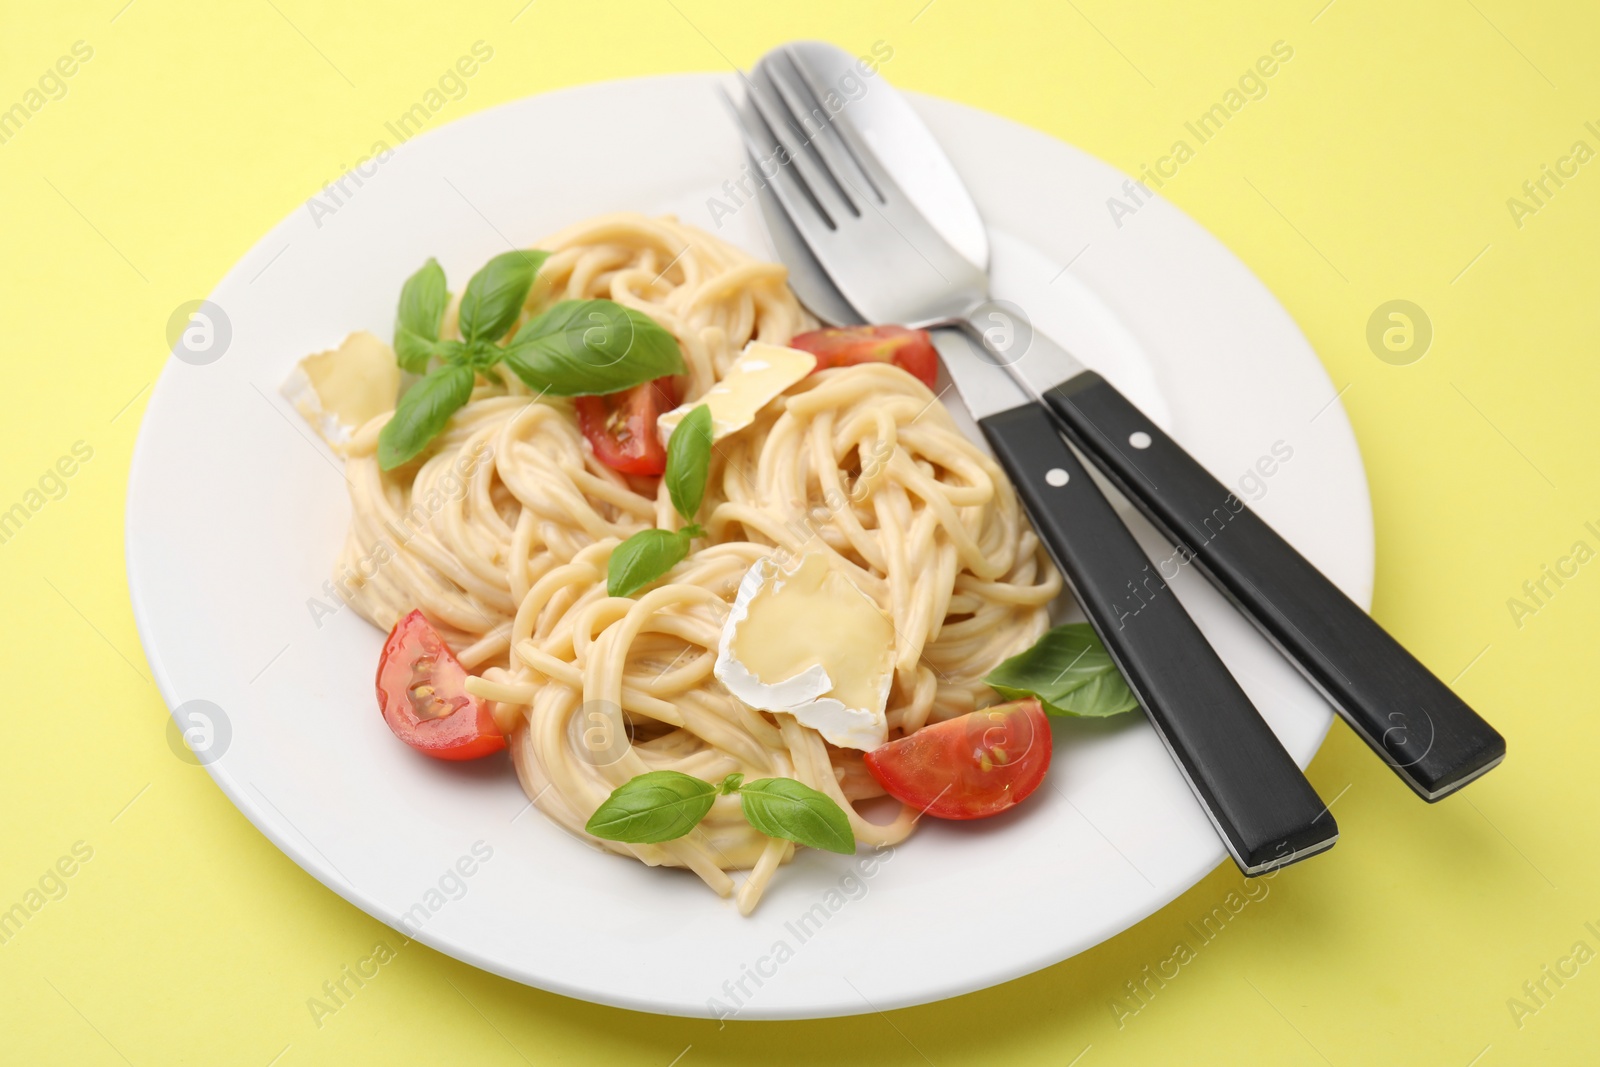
(689, 461)
(590, 348)
(413, 351)
(1071, 673)
(456, 352)
(730, 784)
(493, 298)
(422, 413)
(422, 303)
(783, 807)
(646, 556)
(653, 807)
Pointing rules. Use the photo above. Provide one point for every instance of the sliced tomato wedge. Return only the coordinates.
(969, 767)
(621, 427)
(910, 350)
(422, 690)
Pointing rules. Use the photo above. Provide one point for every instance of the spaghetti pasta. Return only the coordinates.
(502, 531)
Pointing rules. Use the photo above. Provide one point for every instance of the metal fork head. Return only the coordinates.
(879, 250)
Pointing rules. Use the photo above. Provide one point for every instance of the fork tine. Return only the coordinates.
(803, 98)
(861, 154)
(884, 258)
(795, 196)
(795, 141)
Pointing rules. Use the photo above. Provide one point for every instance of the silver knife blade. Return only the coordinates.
(985, 389)
(1037, 363)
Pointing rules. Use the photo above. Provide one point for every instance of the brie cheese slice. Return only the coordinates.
(760, 374)
(338, 391)
(806, 641)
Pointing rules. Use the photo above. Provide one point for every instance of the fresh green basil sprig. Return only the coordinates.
(646, 556)
(783, 807)
(649, 554)
(591, 348)
(665, 805)
(416, 326)
(575, 348)
(653, 807)
(689, 461)
(1071, 673)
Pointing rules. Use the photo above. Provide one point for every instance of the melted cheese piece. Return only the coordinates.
(338, 391)
(807, 642)
(760, 374)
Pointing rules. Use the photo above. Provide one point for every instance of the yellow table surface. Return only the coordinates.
(1378, 166)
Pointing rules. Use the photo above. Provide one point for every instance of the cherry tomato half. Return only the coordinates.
(422, 691)
(969, 767)
(910, 350)
(621, 427)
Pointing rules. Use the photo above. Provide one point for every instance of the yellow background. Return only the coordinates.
(1378, 167)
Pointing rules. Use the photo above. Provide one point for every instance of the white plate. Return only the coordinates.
(235, 517)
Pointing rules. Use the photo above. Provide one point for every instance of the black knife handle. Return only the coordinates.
(1431, 738)
(1265, 810)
